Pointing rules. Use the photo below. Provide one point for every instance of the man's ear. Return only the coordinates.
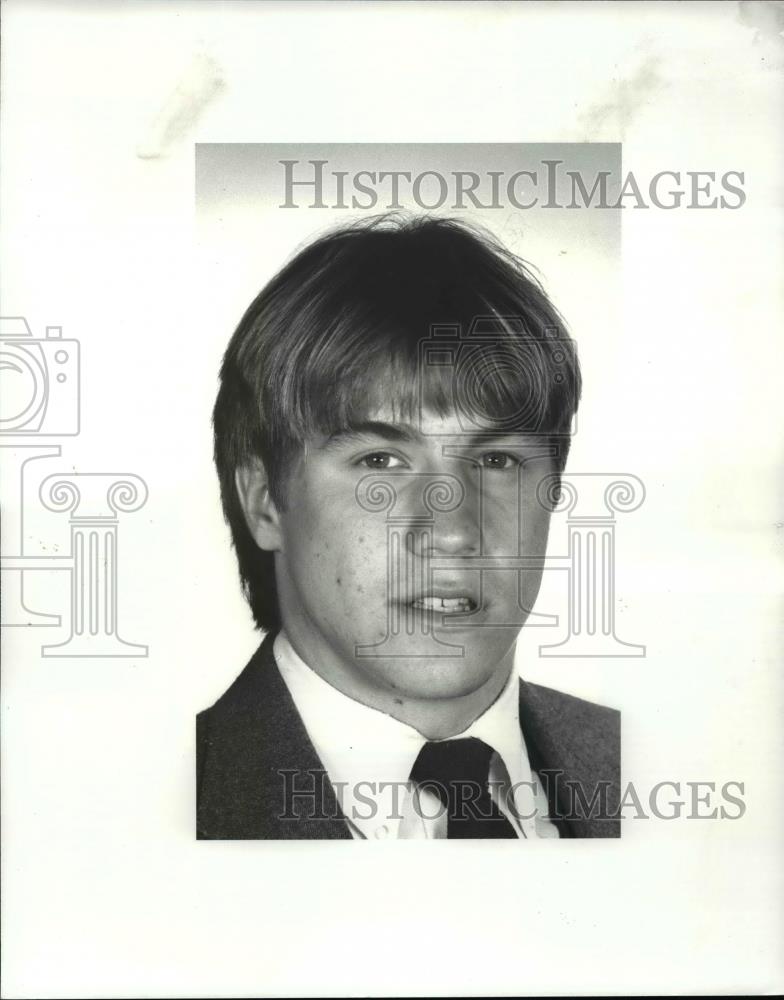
(261, 514)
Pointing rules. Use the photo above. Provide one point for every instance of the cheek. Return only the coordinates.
(342, 556)
(512, 526)
(535, 530)
(360, 565)
(534, 517)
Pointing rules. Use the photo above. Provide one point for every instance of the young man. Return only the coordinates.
(393, 415)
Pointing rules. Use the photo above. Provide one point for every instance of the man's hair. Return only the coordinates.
(340, 332)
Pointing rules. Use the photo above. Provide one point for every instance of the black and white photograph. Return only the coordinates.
(393, 421)
(391, 453)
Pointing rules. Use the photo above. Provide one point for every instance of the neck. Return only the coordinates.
(434, 718)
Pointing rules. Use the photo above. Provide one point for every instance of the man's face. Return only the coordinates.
(391, 554)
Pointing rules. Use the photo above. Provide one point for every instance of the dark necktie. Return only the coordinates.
(457, 772)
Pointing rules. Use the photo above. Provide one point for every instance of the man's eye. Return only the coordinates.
(498, 460)
(381, 460)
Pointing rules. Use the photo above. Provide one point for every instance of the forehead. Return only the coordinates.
(424, 420)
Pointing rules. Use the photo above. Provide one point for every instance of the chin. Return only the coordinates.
(438, 678)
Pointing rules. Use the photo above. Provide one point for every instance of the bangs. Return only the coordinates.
(498, 379)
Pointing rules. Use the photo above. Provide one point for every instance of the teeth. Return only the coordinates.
(444, 603)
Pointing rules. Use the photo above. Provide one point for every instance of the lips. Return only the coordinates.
(446, 600)
(444, 605)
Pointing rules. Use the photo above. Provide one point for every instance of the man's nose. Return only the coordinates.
(453, 519)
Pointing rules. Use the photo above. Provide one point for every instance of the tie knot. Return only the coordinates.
(447, 761)
(457, 771)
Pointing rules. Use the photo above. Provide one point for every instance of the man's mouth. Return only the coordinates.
(445, 605)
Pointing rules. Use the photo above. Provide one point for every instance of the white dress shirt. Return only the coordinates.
(368, 757)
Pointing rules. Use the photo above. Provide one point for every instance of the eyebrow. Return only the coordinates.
(406, 433)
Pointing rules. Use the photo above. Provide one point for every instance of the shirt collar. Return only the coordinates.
(363, 748)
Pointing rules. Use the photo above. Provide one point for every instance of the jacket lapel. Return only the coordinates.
(258, 774)
(575, 748)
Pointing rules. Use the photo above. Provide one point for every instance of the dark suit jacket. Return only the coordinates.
(253, 750)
